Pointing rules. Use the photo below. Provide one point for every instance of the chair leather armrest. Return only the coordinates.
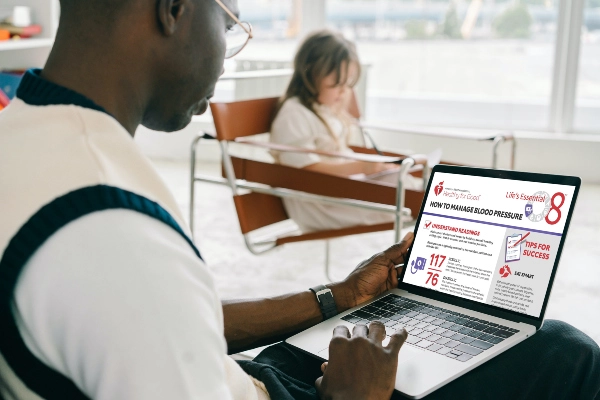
(294, 149)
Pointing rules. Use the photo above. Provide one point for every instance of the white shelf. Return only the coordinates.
(25, 44)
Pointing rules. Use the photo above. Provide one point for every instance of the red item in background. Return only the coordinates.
(4, 100)
(24, 32)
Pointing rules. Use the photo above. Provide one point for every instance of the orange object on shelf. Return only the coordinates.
(22, 31)
(4, 34)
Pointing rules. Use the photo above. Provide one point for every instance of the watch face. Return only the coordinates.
(537, 211)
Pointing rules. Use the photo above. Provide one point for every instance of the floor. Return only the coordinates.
(239, 274)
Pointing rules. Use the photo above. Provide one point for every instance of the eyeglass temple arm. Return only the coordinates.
(232, 15)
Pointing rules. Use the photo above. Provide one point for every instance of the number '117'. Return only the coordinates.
(435, 259)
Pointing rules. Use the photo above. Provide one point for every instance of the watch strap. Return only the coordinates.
(325, 300)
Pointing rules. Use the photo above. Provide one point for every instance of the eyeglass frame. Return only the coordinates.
(238, 22)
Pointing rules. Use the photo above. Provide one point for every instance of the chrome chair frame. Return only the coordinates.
(236, 184)
(261, 245)
(496, 137)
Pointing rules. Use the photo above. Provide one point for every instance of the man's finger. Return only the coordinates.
(397, 340)
(376, 331)
(318, 384)
(397, 252)
(341, 331)
(324, 366)
(360, 330)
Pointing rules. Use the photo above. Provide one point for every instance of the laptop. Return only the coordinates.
(477, 278)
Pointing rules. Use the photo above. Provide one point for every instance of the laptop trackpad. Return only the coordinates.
(324, 353)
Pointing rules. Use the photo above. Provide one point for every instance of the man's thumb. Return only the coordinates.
(397, 252)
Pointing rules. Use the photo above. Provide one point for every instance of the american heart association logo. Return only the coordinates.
(438, 189)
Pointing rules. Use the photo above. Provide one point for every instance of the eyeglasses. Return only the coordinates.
(237, 37)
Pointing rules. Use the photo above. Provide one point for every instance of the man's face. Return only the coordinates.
(192, 63)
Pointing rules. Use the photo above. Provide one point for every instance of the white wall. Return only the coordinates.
(177, 145)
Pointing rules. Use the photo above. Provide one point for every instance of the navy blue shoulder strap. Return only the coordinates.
(46, 382)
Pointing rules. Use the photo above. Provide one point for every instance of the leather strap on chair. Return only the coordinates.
(276, 175)
(366, 150)
(256, 210)
(243, 118)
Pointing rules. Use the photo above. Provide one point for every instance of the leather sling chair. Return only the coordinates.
(258, 187)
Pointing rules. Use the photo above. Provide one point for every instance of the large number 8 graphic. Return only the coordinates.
(555, 208)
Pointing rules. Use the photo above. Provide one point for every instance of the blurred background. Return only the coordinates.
(449, 56)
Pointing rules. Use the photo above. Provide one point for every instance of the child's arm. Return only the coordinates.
(348, 168)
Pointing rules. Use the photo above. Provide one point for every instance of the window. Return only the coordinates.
(274, 27)
(587, 105)
(471, 63)
(464, 63)
(270, 19)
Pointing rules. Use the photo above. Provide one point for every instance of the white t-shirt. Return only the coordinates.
(119, 302)
(296, 125)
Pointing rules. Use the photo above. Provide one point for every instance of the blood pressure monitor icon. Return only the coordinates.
(417, 264)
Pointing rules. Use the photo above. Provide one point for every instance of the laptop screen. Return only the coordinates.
(489, 240)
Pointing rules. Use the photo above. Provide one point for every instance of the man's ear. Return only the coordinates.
(169, 13)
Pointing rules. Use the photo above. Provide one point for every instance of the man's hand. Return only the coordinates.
(360, 367)
(372, 277)
(257, 322)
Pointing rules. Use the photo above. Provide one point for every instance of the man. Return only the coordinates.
(103, 294)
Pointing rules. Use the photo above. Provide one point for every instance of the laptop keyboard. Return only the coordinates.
(436, 329)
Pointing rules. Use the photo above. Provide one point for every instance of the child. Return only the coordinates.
(313, 115)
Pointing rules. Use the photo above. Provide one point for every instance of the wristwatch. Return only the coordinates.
(326, 302)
